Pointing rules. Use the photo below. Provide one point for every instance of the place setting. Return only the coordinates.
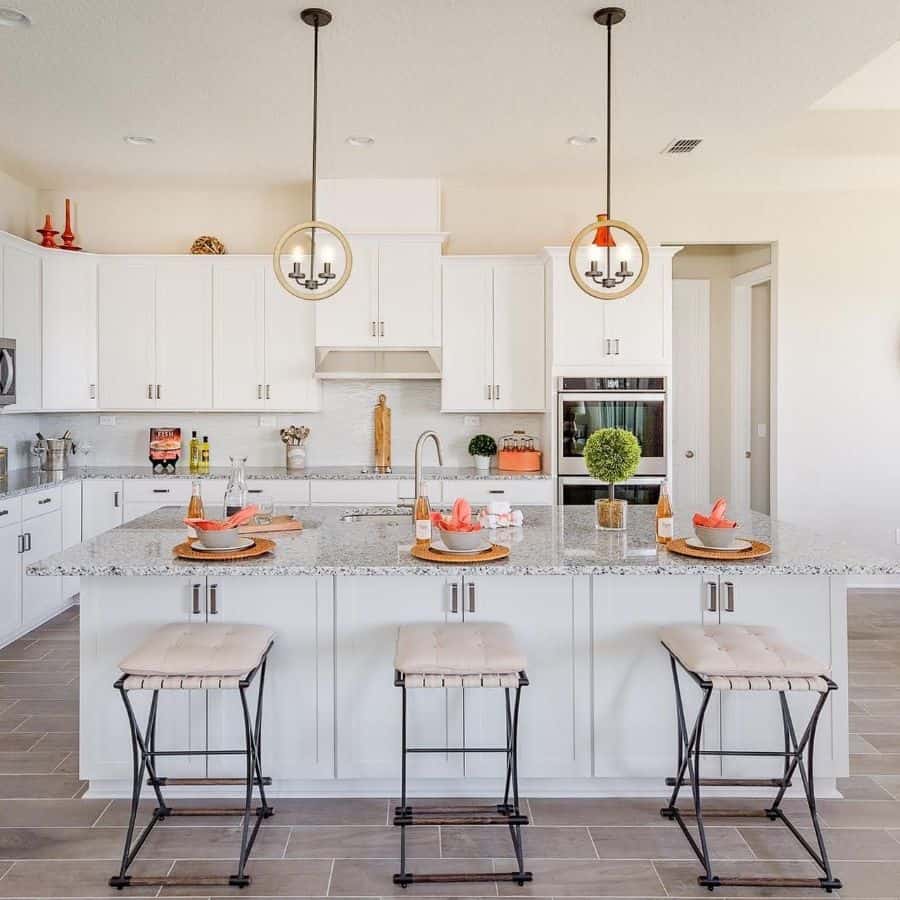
(224, 539)
(715, 537)
(457, 539)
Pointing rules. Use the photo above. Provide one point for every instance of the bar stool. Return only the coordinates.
(195, 657)
(466, 655)
(742, 658)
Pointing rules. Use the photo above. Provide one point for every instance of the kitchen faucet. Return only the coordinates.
(420, 443)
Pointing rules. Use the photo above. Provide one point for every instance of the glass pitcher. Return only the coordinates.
(236, 491)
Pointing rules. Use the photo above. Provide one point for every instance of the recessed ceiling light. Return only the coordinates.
(13, 18)
(360, 140)
(138, 140)
(581, 140)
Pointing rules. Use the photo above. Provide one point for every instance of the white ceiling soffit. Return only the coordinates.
(458, 89)
(875, 86)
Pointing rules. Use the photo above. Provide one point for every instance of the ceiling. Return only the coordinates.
(461, 89)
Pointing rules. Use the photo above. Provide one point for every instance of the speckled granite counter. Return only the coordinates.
(554, 541)
(25, 481)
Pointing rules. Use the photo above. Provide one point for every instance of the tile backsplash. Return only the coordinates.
(341, 434)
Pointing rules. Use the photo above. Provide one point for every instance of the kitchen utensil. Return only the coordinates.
(737, 544)
(757, 549)
(497, 551)
(718, 538)
(236, 543)
(260, 547)
(278, 523)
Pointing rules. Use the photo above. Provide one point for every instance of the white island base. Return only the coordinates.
(597, 720)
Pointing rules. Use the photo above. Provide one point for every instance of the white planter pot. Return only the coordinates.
(295, 457)
(482, 463)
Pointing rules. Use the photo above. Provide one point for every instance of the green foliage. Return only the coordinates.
(612, 454)
(482, 445)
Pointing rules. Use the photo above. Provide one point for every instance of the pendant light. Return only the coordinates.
(314, 246)
(602, 279)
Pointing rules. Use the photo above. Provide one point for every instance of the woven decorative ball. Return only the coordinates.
(206, 243)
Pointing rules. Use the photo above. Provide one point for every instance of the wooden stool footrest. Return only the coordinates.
(215, 811)
(732, 782)
(462, 877)
(768, 881)
(191, 782)
(444, 819)
(174, 881)
(727, 813)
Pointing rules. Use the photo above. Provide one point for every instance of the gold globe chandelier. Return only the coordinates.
(313, 244)
(602, 279)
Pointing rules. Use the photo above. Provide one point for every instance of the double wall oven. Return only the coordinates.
(586, 404)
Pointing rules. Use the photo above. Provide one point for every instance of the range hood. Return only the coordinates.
(341, 363)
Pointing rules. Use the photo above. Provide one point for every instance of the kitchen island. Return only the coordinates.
(597, 719)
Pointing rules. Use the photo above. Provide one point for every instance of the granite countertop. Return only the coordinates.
(553, 541)
(24, 481)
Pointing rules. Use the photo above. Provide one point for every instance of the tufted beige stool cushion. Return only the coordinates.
(744, 657)
(463, 654)
(210, 655)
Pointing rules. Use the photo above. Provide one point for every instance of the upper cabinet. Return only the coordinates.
(392, 298)
(20, 315)
(634, 331)
(493, 335)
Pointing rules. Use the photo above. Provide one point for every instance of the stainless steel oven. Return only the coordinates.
(579, 490)
(7, 371)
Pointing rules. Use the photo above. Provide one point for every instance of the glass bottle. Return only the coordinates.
(195, 506)
(422, 519)
(236, 490)
(194, 453)
(665, 521)
(203, 466)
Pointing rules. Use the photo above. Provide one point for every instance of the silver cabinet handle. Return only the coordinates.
(45, 500)
(747, 454)
(162, 490)
(213, 599)
(115, 499)
(259, 392)
(27, 541)
(497, 491)
(712, 596)
(195, 594)
(149, 391)
(471, 597)
(20, 540)
(454, 598)
(608, 346)
(381, 329)
(254, 490)
(268, 392)
(729, 596)
(689, 454)
(158, 393)
(92, 391)
(489, 394)
(374, 327)
(617, 346)
(496, 391)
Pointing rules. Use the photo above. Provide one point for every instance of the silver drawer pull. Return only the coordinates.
(729, 596)
(454, 598)
(4, 512)
(162, 490)
(471, 597)
(254, 490)
(497, 491)
(213, 599)
(45, 500)
(712, 602)
(195, 593)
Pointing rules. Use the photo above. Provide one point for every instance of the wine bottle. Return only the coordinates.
(665, 520)
(422, 517)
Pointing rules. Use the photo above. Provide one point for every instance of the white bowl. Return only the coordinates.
(717, 538)
(461, 540)
(216, 540)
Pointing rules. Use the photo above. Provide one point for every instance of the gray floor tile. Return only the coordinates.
(38, 786)
(585, 878)
(61, 740)
(373, 878)
(63, 843)
(269, 878)
(680, 878)
(859, 814)
(26, 763)
(600, 811)
(363, 842)
(32, 813)
(868, 879)
(54, 724)
(17, 743)
(42, 707)
(875, 764)
(491, 841)
(45, 879)
(194, 842)
(883, 743)
(665, 842)
(776, 842)
(326, 811)
(862, 787)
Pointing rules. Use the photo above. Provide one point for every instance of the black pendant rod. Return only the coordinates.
(315, 122)
(609, 25)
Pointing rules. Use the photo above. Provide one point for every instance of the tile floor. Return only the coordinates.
(53, 844)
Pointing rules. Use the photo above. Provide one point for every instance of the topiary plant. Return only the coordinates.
(482, 445)
(612, 455)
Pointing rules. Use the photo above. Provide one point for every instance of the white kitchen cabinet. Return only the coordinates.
(518, 491)
(20, 302)
(551, 620)
(355, 492)
(70, 495)
(368, 612)
(493, 335)
(102, 506)
(144, 495)
(41, 595)
(350, 317)
(10, 578)
(69, 299)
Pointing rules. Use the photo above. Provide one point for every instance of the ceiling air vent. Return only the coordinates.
(681, 145)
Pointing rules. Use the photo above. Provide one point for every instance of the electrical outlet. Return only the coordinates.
(472, 421)
(106, 420)
(268, 421)
(762, 429)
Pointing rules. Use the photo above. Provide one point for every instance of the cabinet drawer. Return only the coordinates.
(293, 491)
(356, 491)
(524, 492)
(10, 511)
(151, 490)
(40, 502)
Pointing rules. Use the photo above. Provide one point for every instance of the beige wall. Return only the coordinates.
(760, 396)
(17, 207)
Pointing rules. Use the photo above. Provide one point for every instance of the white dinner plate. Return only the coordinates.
(735, 546)
(440, 547)
(241, 544)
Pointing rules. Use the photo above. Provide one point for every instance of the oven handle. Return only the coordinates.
(586, 479)
(614, 396)
(10, 369)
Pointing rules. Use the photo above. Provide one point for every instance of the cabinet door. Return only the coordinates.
(298, 702)
(551, 619)
(578, 337)
(127, 334)
(238, 335)
(519, 383)
(11, 579)
(368, 612)
(467, 367)
(101, 506)
(21, 272)
(350, 317)
(409, 294)
(290, 384)
(524, 491)
(41, 595)
(640, 325)
(635, 729)
(184, 336)
(70, 332)
(71, 530)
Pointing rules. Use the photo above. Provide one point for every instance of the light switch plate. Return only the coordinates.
(268, 421)
(472, 421)
(762, 429)
(106, 420)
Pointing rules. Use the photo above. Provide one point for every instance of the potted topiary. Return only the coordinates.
(482, 447)
(612, 455)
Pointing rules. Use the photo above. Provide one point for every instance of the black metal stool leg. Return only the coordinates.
(403, 878)
(516, 829)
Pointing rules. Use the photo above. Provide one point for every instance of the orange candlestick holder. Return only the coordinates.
(47, 232)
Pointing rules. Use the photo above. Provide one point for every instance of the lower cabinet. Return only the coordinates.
(11, 579)
(518, 491)
(71, 530)
(41, 595)
(102, 506)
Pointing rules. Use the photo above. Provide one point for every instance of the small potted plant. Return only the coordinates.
(482, 447)
(612, 455)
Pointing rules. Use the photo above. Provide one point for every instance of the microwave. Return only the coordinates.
(7, 371)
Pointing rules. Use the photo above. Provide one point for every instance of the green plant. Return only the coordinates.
(612, 455)
(482, 445)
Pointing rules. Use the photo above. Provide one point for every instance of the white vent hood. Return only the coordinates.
(382, 364)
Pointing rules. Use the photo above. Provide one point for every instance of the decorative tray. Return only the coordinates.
(497, 551)
(756, 550)
(260, 547)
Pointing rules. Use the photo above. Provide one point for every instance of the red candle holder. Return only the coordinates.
(68, 236)
(48, 233)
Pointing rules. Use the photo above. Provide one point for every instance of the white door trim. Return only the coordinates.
(741, 292)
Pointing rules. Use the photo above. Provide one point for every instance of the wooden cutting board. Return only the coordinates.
(278, 523)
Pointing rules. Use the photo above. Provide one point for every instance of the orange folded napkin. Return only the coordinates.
(716, 517)
(241, 517)
(460, 518)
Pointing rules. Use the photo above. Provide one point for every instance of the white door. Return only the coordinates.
(290, 326)
(101, 506)
(409, 294)
(368, 612)
(467, 376)
(637, 324)
(41, 595)
(690, 393)
(518, 332)
(184, 336)
(22, 320)
(11, 579)
(350, 317)
(238, 323)
(551, 620)
(71, 530)
(298, 726)
(70, 331)
(126, 301)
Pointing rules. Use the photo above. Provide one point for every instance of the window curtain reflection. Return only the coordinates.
(644, 420)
